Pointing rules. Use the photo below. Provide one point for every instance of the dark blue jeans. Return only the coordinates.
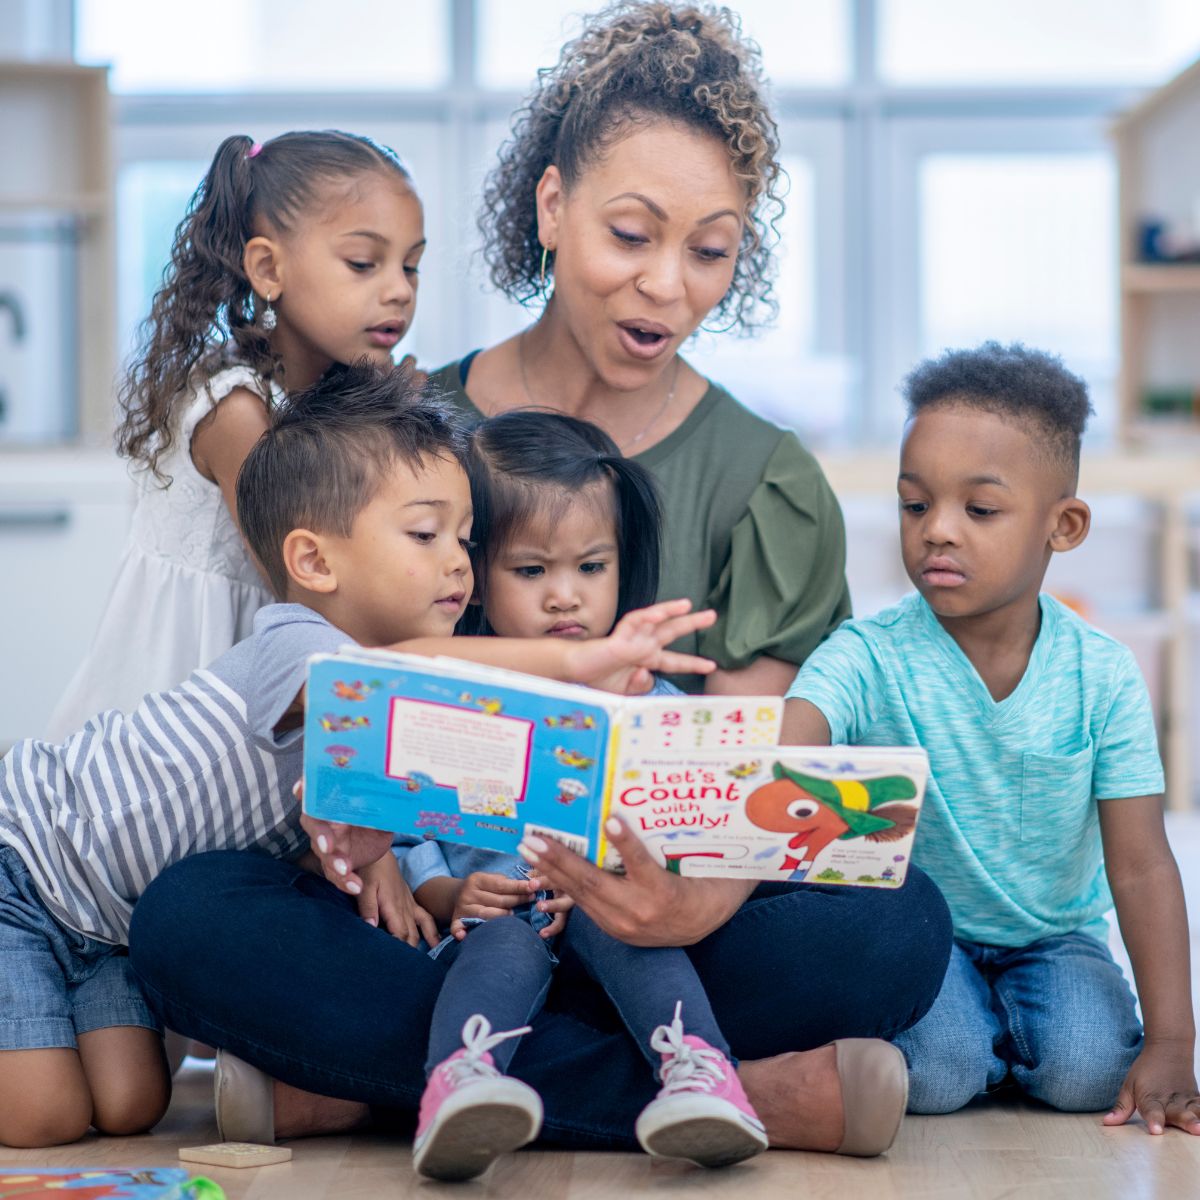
(500, 969)
(271, 962)
(644, 984)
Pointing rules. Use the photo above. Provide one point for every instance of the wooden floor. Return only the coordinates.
(992, 1149)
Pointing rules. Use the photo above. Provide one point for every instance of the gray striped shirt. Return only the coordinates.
(195, 768)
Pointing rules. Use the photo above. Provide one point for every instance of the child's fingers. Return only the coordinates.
(676, 627)
(556, 926)
(1123, 1109)
(485, 912)
(488, 882)
(556, 904)
(368, 906)
(426, 925)
(491, 900)
(1153, 1113)
(671, 662)
(457, 929)
(1184, 1113)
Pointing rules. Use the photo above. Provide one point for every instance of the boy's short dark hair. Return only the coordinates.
(517, 457)
(321, 461)
(1030, 386)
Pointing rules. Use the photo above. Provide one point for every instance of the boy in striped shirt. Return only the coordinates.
(358, 508)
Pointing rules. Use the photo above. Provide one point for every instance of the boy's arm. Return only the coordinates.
(624, 661)
(804, 724)
(1145, 884)
(438, 896)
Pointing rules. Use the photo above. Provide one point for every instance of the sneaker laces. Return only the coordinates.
(478, 1040)
(687, 1068)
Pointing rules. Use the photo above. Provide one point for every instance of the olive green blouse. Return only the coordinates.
(751, 528)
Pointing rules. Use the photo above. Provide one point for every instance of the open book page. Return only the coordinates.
(445, 749)
(837, 815)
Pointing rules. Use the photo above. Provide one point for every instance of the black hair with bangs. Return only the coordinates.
(518, 460)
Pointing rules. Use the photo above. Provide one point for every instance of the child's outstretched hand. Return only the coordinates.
(342, 849)
(626, 660)
(487, 895)
(560, 904)
(387, 902)
(1161, 1086)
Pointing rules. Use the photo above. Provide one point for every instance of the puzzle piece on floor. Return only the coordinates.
(235, 1154)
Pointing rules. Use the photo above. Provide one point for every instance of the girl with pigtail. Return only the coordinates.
(294, 254)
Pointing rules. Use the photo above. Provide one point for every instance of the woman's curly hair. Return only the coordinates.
(204, 312)
(637, 60)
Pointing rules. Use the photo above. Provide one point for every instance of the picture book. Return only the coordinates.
(106, 1183)
(439, 748)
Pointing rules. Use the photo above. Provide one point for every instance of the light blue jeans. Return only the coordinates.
(1057, 1014)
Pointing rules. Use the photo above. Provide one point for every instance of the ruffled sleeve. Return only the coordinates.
(213, 390)
(784, 587)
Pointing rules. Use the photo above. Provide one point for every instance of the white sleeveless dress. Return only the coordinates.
(186, 589)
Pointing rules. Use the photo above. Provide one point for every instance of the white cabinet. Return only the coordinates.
(64, 516)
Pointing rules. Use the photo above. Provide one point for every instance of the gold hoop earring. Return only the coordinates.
(542, 272)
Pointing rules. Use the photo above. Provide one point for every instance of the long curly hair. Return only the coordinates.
(635, 60)
(204, 312)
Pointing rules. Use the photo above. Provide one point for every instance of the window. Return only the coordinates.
(951, 178)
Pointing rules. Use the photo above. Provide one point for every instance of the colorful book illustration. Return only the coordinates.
(106, 1183)
(445, 749)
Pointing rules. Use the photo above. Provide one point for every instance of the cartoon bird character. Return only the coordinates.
(817, 812)
(571, 720)
(349, 691)
(572, 758)
(341, 755)
(745, 770)
(490, 705)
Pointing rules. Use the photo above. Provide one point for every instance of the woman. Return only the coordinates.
(651, 212)
(635, 199)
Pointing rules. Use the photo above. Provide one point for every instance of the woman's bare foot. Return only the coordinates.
(798, 1097)
(305, 1114)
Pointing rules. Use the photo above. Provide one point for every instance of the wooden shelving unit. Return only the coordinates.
(55, 143)
(1158, 168)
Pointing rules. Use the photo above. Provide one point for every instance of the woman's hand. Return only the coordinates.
(648, 905)
(387, 902)
(627, 659)
(486, 895)
(1161, 1086)
(342, 849)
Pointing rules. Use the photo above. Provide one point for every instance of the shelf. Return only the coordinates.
(1161, 277)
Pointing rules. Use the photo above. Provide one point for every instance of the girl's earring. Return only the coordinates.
(542, 272)
(268, 319)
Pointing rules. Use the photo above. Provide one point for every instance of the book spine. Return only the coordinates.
(610, 772)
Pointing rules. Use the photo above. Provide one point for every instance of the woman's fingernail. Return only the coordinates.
(526, 853)
(536, 843)
(353, 888)
(372, 921)
(296, 789)
(341, 866)
(323, 844)
(612, 826)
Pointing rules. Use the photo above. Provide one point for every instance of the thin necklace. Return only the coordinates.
(646, 428)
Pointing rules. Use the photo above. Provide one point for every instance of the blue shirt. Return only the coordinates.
(1010, 826)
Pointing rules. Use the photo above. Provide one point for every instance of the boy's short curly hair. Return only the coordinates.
(321, 461)
(1030, 386)
(634, 62)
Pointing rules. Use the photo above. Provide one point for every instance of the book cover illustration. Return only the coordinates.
(838, 815)
(106, 1183)
(449, 750)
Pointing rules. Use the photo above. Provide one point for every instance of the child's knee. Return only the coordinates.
(44, 1098)
(943, 1076)
(128, 1078)
(1077, 1074)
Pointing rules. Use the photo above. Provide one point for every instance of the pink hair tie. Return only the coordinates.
(254, 150)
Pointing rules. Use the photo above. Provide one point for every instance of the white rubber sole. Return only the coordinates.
(705, 1130)
(475, 1127)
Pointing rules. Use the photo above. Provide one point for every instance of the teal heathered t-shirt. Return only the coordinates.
(1009, 829)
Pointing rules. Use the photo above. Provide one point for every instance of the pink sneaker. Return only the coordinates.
(470, 1113)
(701, 1113)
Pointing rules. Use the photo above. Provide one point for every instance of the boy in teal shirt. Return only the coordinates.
(1044, 802)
